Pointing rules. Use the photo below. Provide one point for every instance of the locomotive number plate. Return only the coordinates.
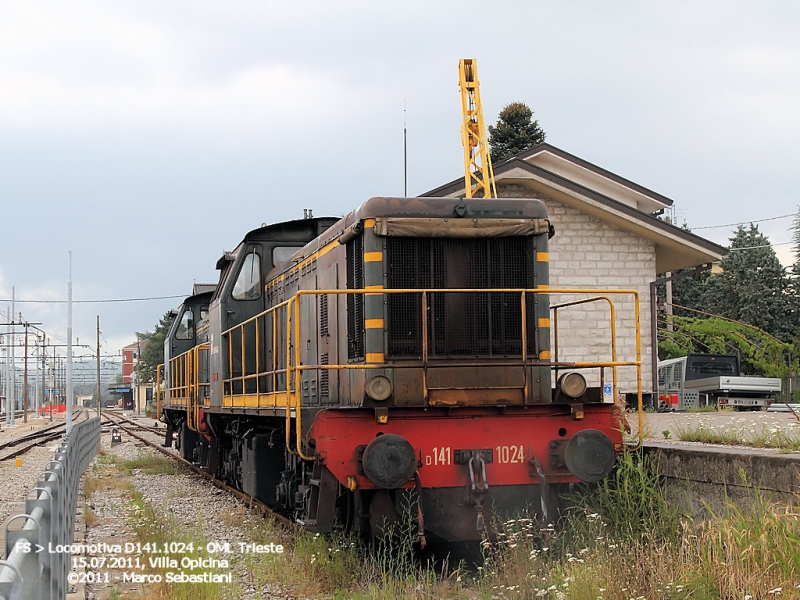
(440, 456)
(510, 454)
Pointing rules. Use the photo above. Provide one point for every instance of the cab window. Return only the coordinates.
(283, 253)
(248, 283)
(185, 326)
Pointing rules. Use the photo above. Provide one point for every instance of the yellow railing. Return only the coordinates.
(185, 387)
(289, 397)
(612, 311)
(159, 390)
(613, 328)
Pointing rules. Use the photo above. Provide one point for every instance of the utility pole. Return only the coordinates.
(25, 377)
(98, 366)
(7, 349)
(69, 343)
(12, 406)
(44, 370)
(135, 377)
(668, 306)
(53, 389)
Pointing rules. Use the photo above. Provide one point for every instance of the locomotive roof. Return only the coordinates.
(196, 298)
(284, 230)
(380, 206)
(525, 208)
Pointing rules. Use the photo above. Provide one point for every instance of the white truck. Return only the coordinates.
(712, 380)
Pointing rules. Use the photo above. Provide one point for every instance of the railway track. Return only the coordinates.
(130, 426)
(37, 438)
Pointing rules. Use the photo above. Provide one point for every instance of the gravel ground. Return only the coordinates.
(18, 481)
(194, 503)
(213, 515)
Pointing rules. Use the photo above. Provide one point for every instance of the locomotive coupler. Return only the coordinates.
(480, 523)
(543, 492)
(477, 483)
(420, 520)
(481, 485)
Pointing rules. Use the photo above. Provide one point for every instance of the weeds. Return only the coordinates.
(151, 527)
(617, 543)
(150, 464)
(619, 539)
(631, 501)
(748, 554)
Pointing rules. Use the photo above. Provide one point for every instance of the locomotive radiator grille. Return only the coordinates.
(355, 302)
(460, 324)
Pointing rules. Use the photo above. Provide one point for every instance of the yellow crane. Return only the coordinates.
(478, 175)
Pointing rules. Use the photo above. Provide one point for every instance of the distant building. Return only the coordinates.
(135, 395)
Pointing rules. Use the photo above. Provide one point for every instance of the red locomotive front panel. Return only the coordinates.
(469, 466)
(495, 447)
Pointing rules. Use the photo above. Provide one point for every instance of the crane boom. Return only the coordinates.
(478, 175)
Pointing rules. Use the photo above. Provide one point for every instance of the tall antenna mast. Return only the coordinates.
(405, 152)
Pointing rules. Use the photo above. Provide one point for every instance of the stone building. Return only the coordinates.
(608, 236)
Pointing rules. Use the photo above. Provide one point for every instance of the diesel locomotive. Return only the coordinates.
(346, 369)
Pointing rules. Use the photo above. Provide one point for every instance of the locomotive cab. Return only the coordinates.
(188, 330)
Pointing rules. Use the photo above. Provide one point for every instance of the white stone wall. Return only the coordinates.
(588, 253)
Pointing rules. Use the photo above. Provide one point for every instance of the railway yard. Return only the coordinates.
(138, 494)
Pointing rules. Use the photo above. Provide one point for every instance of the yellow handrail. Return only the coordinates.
(159, 391)
(293, 368)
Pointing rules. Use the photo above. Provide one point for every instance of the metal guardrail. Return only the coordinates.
(31, 573)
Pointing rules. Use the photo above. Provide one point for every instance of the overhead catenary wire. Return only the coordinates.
(105, 301)
(745, 222)
(756, 247)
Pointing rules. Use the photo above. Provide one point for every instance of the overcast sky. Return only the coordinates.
(148, 137)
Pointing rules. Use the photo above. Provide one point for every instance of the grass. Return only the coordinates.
(151, 527)
(339, 566)
(151, 464)
(620, 540)
(757, 551)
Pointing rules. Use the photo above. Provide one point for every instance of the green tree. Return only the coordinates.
(795, 227)
(515, 131)
(754, 287)
(759, 353)
(754, 292)
(153, 352)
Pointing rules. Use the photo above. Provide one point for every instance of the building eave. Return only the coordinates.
(675, 247)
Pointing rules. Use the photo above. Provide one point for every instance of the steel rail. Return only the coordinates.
(35, 439)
